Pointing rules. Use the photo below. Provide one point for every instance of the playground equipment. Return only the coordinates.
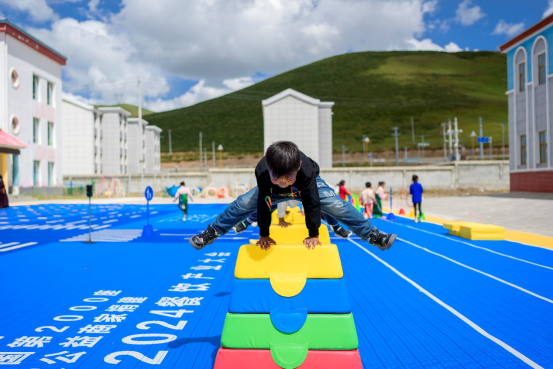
(111, 189)
(475, 231)
(354, 200)
(240, 189)
(391, 215)
(289, 306)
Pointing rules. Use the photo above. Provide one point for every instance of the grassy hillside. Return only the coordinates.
(373, 92)
(133, 109)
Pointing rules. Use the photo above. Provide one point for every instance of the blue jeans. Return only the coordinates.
(331, 204)
(330, 220)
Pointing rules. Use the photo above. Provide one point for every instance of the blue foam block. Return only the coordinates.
(319, 296)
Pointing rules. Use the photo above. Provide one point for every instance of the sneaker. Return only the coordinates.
(184, 219)
(254, 224)
(240, 227)
(205, 238)
(416, 220)
(382, 240)
(341, 232)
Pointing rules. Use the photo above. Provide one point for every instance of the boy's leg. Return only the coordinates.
(238, 210)
(345, 213)
(336, 227)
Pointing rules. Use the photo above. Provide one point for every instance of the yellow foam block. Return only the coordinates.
(296, 233)
(320, 262)
(454, 226)
(288, 284)
(476, 231)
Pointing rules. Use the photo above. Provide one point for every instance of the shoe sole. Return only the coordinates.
(235, 231)
(342, 237)
(194, 245)
(391, 241)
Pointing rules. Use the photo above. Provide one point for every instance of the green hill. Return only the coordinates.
(373, 92)
(133, 109)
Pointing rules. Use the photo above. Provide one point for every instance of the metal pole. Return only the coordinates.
(450, 140)
(170, 147)
(503, 139)
(205, 157)
(413, 129)
(200, 150)
(405, 153)
(481, 143)
(445, 143)
(456, 145)
(213, 147)
(89, 221)
(343, 155)
(364, 145)
(396, 135)
(422, 140)
(490, 148)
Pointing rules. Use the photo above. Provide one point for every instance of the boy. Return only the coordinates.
(285, 173)
(416, 191)
(183, 194)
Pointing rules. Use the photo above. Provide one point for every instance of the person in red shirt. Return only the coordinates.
(343, 192)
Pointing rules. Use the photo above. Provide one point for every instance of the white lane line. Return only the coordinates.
(171, 234)
(135, 216)
(110, 221)
(478, 271)
(8, 244)
(454, 312)
(206, 219)
(479, 247)
(19, 246)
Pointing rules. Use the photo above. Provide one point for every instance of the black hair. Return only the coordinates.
(342, 182)
(381, 183)
(282, 158)
(368, 184)
(182, 183)
(415, 177)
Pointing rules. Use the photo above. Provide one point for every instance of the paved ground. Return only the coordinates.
(432, 301)
(533, 215)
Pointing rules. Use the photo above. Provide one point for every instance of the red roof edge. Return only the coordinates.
(30, 41)
(10, 141)
(536, 27)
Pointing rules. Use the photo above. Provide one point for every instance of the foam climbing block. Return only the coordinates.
(296, 233)
(279, 260)
(315, 359)
(318, 296)
(476, 231)
(454, 226)
(319, 332)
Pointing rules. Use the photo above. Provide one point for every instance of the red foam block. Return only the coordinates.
(256, 359)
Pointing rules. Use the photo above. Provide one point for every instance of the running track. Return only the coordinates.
(432, 301)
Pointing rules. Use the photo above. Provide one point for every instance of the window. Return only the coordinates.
(523, 150)
(35, 87)
(36, 172)
(50, 134)
(15, 78)
(543, 147)
(36, 132)
(50, 174)
(49, 93)
(521, 77)
(541, 68)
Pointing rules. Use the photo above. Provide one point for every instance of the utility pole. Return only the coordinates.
(343, 155)
(365, 148)
(213, 145)
(473, 136)
(490, 148)
(205, 158)
(445, 143)
(450, 140)
(456, 145)
(413, 130)
(142, 140)
(170, 147)
(396, 135)
(201, 151)
(481, 143)
(502, 138)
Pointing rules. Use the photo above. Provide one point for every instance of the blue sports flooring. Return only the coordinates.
(432, 301)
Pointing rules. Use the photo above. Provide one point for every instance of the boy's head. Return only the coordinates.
(182, 184)
(368, 184)
(283, 162)
(415, 178)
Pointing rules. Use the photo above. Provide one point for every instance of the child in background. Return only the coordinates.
(416, 191)
(380, 196)
(183, 194)
(342, 191)
(368, 200)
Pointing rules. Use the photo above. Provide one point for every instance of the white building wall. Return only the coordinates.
(152, 152)
(292, 119)
(28, 62)
(4, 83)
(78, 137)
(136, 145)
(113, 129)
(325, 135)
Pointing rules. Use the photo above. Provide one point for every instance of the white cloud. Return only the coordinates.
(509, 29)
(467, 15)
(38, 10)
(218, 42)
(549, 9)
(428, 45)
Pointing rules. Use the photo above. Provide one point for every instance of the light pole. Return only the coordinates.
(366, 148)
(502, 138)
(473, 137)
(396, 135)
(445, 142)
(170, 147)
(220, 148)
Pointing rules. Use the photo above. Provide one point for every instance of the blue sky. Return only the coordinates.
(188, 51)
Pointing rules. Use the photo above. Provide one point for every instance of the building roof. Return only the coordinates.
(73, 100)
(19, 34)
(545, 22)
(9, 142)
(154, 128)
(114, 109)
(297, 95)
(135, 120)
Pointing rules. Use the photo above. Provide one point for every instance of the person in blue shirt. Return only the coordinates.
(416, 191)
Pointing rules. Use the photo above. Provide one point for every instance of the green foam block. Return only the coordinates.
(320, 332)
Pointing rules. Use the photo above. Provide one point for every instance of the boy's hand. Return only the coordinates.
(265, 242)
(282, 223)
(311, 242)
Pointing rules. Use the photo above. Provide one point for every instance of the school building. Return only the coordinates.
(30, 110)
(529, 92)
(304, 120)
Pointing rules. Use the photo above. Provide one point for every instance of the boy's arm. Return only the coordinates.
(263, 206)
(312, 206)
